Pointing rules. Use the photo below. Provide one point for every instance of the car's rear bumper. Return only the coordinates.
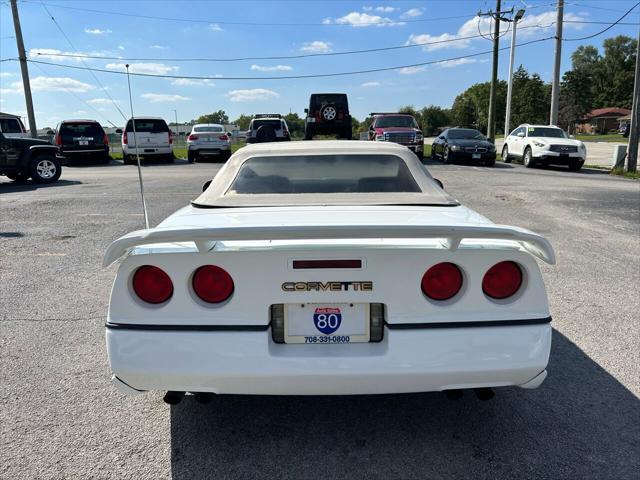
(210, 149)
(145, 151)
(406, 360)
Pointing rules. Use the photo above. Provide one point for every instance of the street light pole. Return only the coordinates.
(515, 20)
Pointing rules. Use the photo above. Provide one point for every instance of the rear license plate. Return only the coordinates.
(476, 156)
(325, 323)
(149, 150)
(83, 142)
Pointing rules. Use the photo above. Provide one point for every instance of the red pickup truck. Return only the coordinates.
(399, 128)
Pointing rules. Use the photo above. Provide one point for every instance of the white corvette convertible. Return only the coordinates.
(315, 268)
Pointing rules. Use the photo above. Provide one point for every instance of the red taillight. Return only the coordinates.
(152, 284)
(212, 284)
(170, 138)
(192, 137)
(124, 138)
(502, 280)
(224, 137)
(58, 140)
(105, 139)
(442, 281)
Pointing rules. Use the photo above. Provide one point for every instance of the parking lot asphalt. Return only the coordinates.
(61, 418)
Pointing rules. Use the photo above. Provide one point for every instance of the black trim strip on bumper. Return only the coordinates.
(187, 328)
(262, 328)
(472, 324)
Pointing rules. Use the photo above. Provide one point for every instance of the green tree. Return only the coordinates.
(296, 124)
(434, 118)
(463, 111)
(411, 111)
(243, 121)
(216, 117)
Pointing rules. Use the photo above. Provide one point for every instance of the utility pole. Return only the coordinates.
(634, 133)
(519, 14)
(175, 112)
(555, 85)
(25, 70)
(491, 127)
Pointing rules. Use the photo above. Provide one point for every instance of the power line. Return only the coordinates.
(287, 77)
(78, 98)
(76, 50)
(604, 30)
(255, 24)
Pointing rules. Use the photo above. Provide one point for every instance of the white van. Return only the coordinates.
(152, 139)
(12, 127)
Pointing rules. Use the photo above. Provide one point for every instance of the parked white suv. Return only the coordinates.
(12, 127)
(152, 139)
(208, 140)
(545, 145)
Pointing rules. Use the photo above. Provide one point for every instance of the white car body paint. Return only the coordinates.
(541, 146)
(468, 341)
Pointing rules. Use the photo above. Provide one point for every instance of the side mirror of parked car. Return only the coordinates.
(50, 132)
(520, 134)
(230, 134)
(439, 183)
(206, 185)
(306, 110)
(118, 130)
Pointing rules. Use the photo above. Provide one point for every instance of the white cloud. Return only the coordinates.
(163, 97)
(252, 95)
(371, 84)
(214, 27)
(152, 68)
(274, 68)
(358, 19)
(159, 47)
(412, 13)
(455, 63)
(51, 84)
(412, 70)
(101, 101)
(5, 74)
(96, 31)
(316, 46)
(529, 26)
(188, 82)
(79, 112)
(120, 47)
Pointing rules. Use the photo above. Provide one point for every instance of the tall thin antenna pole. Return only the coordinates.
(133, 123)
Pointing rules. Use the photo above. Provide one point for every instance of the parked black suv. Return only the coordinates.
(80, 139)
(328, 114)
(21, 158)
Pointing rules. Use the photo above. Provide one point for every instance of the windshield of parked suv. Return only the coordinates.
(208, 129)
(465, 134)
(547, 132)
(148, 126)
(323, 174)
(396, 121)
(81, 129)
(276, 124)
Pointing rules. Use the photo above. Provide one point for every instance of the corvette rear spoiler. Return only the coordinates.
(206, 238)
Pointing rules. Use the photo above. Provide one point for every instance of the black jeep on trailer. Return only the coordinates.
(328, 114)
(23, 158)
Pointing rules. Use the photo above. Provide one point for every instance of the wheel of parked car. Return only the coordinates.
(308, 133)
(191, 156)
(490, 163)
(45, 168)
(433, 152)
(505, 155)
(575, 165)
(420, 155)
(170, 158)
(346, 134)
(106, 158)
(265, 133)
(528, 158)
(446, 158)
(329, 113)
(225, 156)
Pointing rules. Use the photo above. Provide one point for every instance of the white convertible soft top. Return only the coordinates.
(452, 225)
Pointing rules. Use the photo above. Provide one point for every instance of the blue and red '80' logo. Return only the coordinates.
(327, 319)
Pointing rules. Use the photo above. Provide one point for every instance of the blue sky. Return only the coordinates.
(61, 93)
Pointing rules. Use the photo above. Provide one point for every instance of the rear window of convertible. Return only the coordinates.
(323, 174)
